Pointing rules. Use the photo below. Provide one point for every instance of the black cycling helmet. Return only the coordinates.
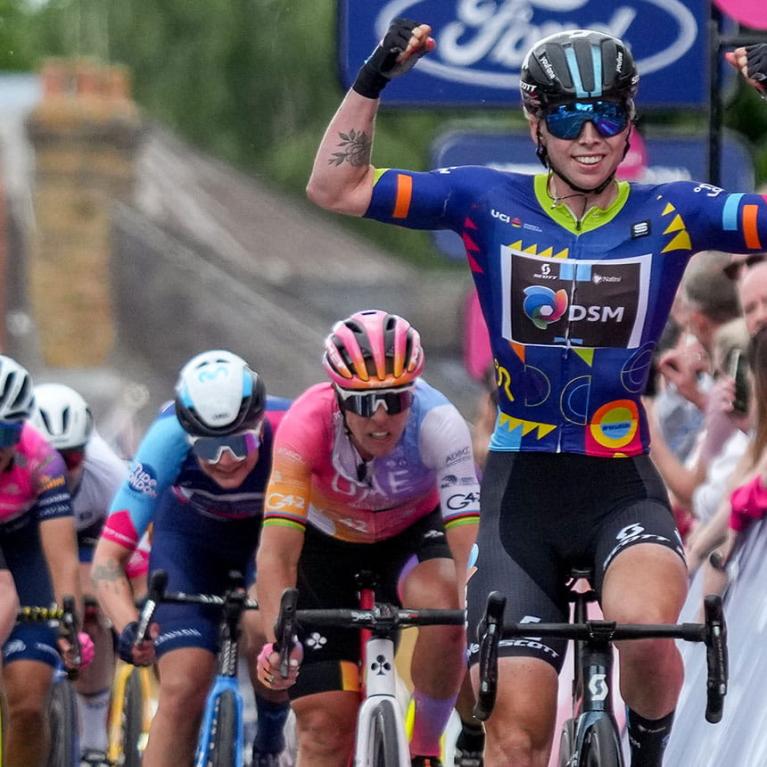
(218, 394)
(577, 64)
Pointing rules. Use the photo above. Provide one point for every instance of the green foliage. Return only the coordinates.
(255, 83)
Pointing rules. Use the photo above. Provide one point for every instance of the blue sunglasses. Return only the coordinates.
(566, 121)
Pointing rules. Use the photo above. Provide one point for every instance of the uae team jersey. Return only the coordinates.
(320, 478)
(574, 308)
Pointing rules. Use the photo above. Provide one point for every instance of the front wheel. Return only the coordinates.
(601, 747)
(384, 745)
(225, 732)
(133, 720)
(62, 715)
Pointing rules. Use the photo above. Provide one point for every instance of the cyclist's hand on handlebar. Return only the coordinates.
(751, 62)
(141, 654)
(269, 666)
(403, 44)
(69, 652)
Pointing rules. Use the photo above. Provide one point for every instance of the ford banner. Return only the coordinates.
(481, 44)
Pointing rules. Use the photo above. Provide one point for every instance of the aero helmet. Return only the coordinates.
(218, 394)
(373, 350)
(16, 394)
(577, 64)
(62, 415)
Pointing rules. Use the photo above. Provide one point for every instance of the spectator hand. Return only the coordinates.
(269, 667)
(404, 43)
(681, 367)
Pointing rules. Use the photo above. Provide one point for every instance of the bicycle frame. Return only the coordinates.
(122, 676)
(383, 620)
(221, 685)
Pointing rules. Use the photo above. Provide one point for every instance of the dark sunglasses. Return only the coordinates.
(566, 121)
(365, 404)
(240, 445)
(10, 433)
(734, 269)
(73, 457)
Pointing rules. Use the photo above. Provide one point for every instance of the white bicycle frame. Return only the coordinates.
(380, 685)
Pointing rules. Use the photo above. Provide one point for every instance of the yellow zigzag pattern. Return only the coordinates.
(512, 423)
(682, 239)
(533, 250)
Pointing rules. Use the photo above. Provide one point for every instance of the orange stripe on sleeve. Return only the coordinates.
(750, 229)
(404, 196)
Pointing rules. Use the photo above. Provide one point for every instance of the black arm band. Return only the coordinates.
(369, 83)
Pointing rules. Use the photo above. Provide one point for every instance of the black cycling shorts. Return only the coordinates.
(326, 579)
(543, 514)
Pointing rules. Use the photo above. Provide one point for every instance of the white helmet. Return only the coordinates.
(62, 415)
(217, 394)
(16, 395)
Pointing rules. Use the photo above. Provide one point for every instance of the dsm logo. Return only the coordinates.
(543, 305)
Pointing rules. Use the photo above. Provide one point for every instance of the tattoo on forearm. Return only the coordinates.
(109, 571)
(356, 149)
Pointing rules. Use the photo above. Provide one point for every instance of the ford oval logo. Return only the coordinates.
(483, 42)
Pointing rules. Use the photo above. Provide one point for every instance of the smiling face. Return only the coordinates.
(586, 161)
(378, 435)
(229, 472)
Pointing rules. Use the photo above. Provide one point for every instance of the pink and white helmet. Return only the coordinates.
(373, 350)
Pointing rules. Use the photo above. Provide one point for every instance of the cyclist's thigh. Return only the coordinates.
(198, 558)
(27, 684)
(516, 556)
(26, 561)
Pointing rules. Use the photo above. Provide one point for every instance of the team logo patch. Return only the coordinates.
(543, 305)
(640, 229)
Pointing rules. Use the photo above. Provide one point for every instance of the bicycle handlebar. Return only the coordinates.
(157, 594)
(713, 633)
(65, 619)
(382, 619)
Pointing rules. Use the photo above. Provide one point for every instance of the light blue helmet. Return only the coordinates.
(217, 393)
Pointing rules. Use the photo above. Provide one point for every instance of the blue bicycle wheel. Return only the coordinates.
(224, 736)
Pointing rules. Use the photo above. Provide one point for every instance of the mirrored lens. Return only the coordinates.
(10, 433)
(566, 121)
(365, 405)
(212, 449)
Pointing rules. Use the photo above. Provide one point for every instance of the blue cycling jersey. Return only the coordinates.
(574, 307)
(164, 463)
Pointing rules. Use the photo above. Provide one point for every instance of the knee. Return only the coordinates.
(181, 697)
(512, 745)
(26, 712)
(322, 733)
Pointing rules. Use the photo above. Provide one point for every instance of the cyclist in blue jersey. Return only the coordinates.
(199, 476)
(576, 273)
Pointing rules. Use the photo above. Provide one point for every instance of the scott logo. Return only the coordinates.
(483, 42)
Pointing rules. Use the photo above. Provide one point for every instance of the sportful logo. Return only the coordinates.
(485, 43)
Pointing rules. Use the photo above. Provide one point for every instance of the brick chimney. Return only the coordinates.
(85, 133)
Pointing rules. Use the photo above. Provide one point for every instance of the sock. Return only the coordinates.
(471, 738)
(270, 721)
(648, 738)
(431, 716)
(92, 711)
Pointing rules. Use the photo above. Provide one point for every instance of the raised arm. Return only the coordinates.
(342, 176)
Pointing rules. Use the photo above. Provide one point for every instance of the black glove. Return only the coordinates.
(756, 56)
(126, 640)
(380, 65)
